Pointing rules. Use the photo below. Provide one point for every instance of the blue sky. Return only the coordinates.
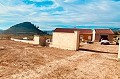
(49, 14)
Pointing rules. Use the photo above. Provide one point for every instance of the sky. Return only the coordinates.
(50, 14)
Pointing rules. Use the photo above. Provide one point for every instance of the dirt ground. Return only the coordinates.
(25, 61)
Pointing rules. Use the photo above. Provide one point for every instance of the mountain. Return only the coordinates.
(49, 32)
(116, 30)
(24, 28)
(1, 31)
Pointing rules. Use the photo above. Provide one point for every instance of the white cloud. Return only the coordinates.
(40, 0)
(2, 21)
(70, 0)
(98, 12)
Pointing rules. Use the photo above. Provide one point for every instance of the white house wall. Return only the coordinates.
(68, 41)
(93, 38)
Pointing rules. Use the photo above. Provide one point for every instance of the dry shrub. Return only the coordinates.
(43, 41)
(5, 37)
(30, 37)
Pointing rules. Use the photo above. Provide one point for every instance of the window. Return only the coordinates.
(81, 36)
(89, 37)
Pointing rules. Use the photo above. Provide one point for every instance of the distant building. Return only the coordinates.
(85, 34)
(99, 34)
(69, 38)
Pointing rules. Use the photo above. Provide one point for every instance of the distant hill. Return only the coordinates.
(49, 32)
(1, 31)
(116, 30)
(24, 28)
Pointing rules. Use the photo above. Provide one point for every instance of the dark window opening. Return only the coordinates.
(103, 37)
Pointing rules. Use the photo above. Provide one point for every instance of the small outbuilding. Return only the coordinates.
(65, 39)
(85, 34)
(99, 34)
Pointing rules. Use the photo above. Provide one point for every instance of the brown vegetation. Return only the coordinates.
(21, 36)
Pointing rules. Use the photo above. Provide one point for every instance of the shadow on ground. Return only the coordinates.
(96, 51)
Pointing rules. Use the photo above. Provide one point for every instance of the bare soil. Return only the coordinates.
(25, 61)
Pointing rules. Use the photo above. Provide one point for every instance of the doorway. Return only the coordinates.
(103, 37)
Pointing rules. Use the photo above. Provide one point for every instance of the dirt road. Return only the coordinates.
(24, 61)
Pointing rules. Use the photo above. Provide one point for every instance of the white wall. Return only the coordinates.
(68, 41)
(119, 51)
(36, 40)
(93, 38)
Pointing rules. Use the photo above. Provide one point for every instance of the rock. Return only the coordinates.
(2, 48)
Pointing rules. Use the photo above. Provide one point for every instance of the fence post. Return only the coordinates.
(119, 52)
(77, 40)
(36, 39)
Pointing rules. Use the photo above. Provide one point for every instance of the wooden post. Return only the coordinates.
(119, 52)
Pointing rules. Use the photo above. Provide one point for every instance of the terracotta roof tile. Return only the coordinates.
(103, 31)
(71, 30)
